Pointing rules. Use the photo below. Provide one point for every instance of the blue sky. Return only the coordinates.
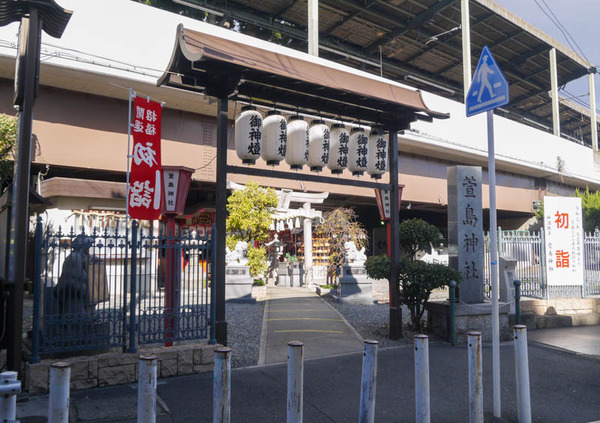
(581, 20)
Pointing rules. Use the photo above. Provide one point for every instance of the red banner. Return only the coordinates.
(145, 177)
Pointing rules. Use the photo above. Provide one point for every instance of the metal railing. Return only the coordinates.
(528, 248)
(102, 290)
(591, 257)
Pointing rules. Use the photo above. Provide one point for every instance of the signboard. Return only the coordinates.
(563, 227)
(489, 88)
(171, 180)
(144, 199)
(384, 202)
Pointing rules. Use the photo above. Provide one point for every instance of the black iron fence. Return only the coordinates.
(105, 289)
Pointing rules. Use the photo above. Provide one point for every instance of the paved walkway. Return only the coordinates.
(295, 314)
(580, 339)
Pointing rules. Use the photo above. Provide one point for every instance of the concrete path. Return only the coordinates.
(579, 339)
(295, 314)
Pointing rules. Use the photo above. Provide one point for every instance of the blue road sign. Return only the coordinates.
(489, 88)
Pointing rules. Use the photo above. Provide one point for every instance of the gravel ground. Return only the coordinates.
(244, 327)
(371, 321)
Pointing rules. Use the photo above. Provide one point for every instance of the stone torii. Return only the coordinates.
(286, 197)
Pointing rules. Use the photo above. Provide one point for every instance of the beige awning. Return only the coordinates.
(207, 63)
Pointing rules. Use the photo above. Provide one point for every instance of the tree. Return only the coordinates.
(416, 278)
(590, 205)
(340, 226)
(250, 212)
(249, 219)
(8, 136)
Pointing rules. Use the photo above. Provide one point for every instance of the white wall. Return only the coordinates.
(515, 143)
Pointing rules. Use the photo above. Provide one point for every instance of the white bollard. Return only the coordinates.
(475, 378)
(295, 381)
(522, 374)
(422, 378)
(222, 386)
(146, 409)
(369, 382)
(58, 402)
(9, 388)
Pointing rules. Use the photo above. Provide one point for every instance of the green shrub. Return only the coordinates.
(258, 282)
(257, 260)
(378, 267)
(416, 279)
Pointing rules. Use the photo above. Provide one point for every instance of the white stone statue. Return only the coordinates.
(239, 254)
(353, 256)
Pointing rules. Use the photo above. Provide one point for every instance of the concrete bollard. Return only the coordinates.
(295, 381)
(522, 374)
(422, 378)
(475, 378)
(369, 382)
(146, 410)
(222, 386)
(9, 388)
(58, 402)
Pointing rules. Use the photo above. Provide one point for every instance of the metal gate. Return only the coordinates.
(103, 290)
(591, 257)
(528, 249)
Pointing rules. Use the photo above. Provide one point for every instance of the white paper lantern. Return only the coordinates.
(296, 154)
(248, 135)
(318, 136)
(338, 148)
(358, 150)
(377, 161)
(274, 138)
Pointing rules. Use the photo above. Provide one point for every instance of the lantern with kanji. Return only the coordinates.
(318, 136)
(377, 161)
(358, 148)
(248, 135)
(274, 138)
(338, 148)
(296, 154)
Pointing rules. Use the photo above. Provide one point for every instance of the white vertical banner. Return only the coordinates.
(563, 226)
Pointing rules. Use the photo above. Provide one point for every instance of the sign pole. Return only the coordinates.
(494, 261)
(132, 94)
(489, 90)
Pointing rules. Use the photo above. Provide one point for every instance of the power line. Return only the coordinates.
(563, 30)
(569, 34)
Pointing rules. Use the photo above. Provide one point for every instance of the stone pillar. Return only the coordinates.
(308, 257)
(465, 230)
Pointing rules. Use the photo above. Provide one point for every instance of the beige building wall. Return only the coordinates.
(90, 132)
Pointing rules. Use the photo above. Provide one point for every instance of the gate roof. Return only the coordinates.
(290, 79)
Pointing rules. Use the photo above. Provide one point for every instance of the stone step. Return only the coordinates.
(527, 318)
(562, 321)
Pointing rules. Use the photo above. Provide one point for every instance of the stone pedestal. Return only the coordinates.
(506, 284)
(354, 285)
(469, 317)
(290, 274)
(238, 283)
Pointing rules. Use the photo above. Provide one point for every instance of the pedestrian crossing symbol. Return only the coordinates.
(489, 88)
